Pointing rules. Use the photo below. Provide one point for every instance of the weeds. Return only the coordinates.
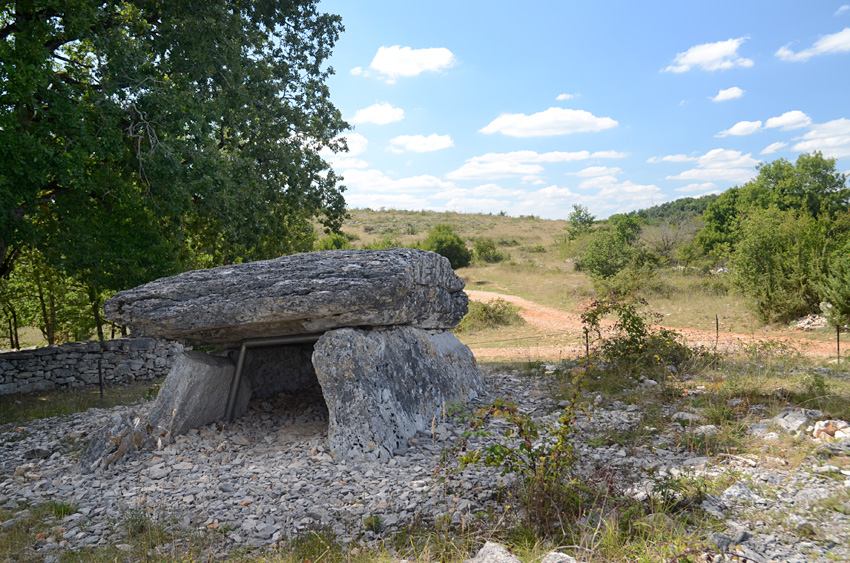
(493, 314)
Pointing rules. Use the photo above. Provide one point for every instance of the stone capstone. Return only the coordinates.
(195, 393)
(299, 294)
(384, 385)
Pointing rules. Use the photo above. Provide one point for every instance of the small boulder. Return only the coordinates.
(195, 394)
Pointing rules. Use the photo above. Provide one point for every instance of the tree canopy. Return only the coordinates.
(140, 137)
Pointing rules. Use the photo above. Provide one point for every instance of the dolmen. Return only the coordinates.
(372, 327)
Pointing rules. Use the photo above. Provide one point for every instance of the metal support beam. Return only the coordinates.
(259, 343)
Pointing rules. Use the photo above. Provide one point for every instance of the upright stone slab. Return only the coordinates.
(195, 393)
(298, 294)
(385, 384)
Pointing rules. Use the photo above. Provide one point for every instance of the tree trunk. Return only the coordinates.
(47, 327)
(95, 300)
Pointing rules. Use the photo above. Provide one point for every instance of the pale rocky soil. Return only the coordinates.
(270, 475)
(553, 320)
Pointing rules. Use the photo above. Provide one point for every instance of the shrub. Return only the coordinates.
(494, 313)
(485, 251)
(444, 241)
(383, 244)
(333, 241)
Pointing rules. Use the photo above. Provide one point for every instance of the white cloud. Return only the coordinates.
(519, 163)
(597, 182)
(711, 56)
(393, 62)
(371, 181)
(343, 163)
(728, 94)
(356, 71)
(420, 143)
(831, 138)
(835, 43)
(592, 171)
(553, 121)
(789, 120)
(672, 158)
(484, 190)
(357, 145)
(564, 97)
(773, 147)
(380, 113)
(741, 128)
(842, 9)
(701, 189)
(720, 165)
(389, 201)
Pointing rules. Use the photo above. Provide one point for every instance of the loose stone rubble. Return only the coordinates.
(272, 474)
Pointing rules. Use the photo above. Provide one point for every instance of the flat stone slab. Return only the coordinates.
(298, 294)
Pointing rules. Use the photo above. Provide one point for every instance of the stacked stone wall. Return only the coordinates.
(75, 365)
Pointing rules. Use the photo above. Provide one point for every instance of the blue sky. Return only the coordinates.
(532, 107)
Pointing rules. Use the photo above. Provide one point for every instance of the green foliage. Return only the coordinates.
(812, 186)
(779, 259)
(581, 221)
(485, 251)
(493, 314)
(640, 349)
(835, 291)
(385, 243)
(134, 147)
(541, 456)
(443, 240)
(611, 249)
(334, 241)
(677, 210)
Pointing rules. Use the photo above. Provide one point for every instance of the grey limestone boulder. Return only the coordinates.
(298, 294)
(195, 393)
(384, 385)
(125, 433)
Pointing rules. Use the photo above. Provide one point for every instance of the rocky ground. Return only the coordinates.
(270, 475)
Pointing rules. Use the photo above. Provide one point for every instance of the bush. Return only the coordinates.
(383, 244)
(492, 314)
(485, 251)
(333, 241)
(444, 241)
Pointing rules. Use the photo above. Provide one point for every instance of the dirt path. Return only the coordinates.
(553, 320)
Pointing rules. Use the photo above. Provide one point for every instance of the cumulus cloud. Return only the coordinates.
(728, 94)
(789, 120)
(831, 138)
(357, 145)
(491, 166)
(773, 147)
(553, 121)
(720, 165)
(564, 97)
(597, 182)
(741, 128)
(380, 113)
(711, 56)
(372, 181)
(592, 171)
(672, 158)
(835, 43)
(701, 189)
(397, 61)
(420, 143)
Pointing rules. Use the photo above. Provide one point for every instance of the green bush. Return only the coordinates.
(333, 241)
(493, 314)
(485, 251)
(383, 244)
(444, 241)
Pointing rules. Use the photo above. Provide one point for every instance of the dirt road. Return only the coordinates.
(553, 320)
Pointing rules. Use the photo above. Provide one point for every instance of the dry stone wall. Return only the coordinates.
(74, 365)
